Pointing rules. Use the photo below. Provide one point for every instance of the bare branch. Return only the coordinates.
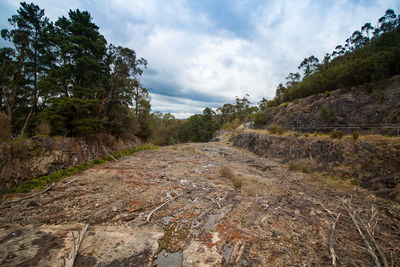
(332, 240)
(31, 196)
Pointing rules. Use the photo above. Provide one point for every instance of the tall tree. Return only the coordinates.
(309, 65)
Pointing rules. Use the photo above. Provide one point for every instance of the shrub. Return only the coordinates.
(228, 173)
(336, 133)
(285, 104)
(355, 134)
(327, 93)
(260, 118)
(327, 114)
(44, 128)
(276, 129)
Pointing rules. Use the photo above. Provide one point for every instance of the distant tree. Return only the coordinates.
(389, 21)
(367, 28)
(309, 65)
(292, 79)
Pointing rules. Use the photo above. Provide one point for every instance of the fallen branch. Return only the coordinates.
(332, 240)
(75, 248)
(156, 209)
(213, 201)
(372, 239)
(369, 248)
(31, 196)
(105, 150)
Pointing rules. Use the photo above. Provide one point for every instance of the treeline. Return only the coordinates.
(370, 54)
(63, 78)
(167, 130)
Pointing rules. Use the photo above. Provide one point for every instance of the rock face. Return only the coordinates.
(21, 160)
(374, 164)
(360, 106)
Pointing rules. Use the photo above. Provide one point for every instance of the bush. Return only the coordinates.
(276, 129)
(228, 173)
(44, 128)
(355, 134)
(336, 133)
(327, 114)
(260, 119)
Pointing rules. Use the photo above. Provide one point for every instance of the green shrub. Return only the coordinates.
(276, 129)
(336, 133)
(260, 118)
(327, 114)
(354, 181)
(327, 93)
(355, 134)
(285, 104)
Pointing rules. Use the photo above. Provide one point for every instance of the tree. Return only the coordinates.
(389, 21)
(292, 79)
(367, 28)
(309, 65)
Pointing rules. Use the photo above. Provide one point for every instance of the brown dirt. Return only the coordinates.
(275, 217)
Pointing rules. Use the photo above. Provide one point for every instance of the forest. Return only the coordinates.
(369, 55)
(63, 78)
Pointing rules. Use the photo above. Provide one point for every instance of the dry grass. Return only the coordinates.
(300, 165)
(320, 135)
(230, 174)
(44, 128)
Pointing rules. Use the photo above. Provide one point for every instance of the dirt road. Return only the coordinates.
(205, 204)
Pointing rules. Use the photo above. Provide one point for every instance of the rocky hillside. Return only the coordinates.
(374, 164)
(374, 104)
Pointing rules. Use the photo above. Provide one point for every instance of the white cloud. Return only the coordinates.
(192, 56)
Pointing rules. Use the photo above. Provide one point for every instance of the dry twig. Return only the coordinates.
(368, 240)
(31, 196)
(332, 240)
(213, 201)
(76, 245)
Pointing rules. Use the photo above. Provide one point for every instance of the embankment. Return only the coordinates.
(375, 164)
(37, 156)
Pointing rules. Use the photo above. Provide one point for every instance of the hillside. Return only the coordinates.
(204, 204)
(363, 107)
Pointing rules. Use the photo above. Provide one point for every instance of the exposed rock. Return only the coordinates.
(37, 156)
(375, 165)
(360, 106)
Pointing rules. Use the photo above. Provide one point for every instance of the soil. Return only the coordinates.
(204, 204)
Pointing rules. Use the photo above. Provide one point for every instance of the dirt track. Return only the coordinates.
(218, 205)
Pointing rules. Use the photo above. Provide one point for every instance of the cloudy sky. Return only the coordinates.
(203, 53)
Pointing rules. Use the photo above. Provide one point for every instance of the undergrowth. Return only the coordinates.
(42, 181)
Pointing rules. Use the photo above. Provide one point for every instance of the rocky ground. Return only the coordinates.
(207, 204)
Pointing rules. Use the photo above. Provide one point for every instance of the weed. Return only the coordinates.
(285, 104)
(355, 134)
(327, 93)
(353, 181)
